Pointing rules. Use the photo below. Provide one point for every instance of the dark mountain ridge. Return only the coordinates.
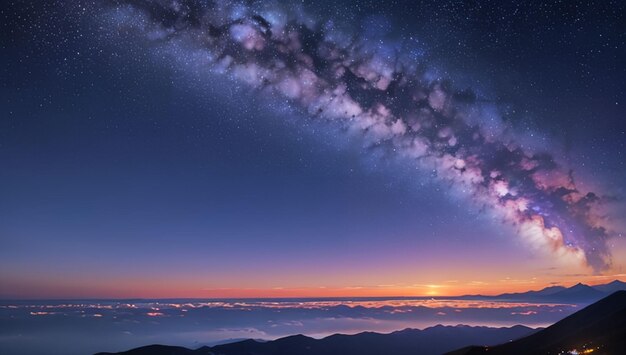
(599, 329)
(433, 340)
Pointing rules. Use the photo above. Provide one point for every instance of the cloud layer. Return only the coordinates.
(383, 92)
(86, 327)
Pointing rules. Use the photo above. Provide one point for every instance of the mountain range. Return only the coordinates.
(430, 341)
(579, 293)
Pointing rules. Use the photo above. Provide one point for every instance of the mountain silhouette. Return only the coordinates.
(611, 287)
(599, 329)
(433, 340)
(579, 293)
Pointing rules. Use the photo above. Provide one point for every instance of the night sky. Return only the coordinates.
(316, 148)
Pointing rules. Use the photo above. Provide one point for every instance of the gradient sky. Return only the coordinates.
(130, 171)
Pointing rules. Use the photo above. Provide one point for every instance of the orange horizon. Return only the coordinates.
(387, 291)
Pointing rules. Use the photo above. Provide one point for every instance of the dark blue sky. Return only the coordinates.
(121, 166)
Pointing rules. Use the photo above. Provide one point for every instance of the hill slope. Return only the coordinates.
(600, 326)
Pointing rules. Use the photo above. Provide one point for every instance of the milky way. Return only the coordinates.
(383, 92)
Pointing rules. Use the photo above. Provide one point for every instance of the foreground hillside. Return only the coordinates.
(599, 329)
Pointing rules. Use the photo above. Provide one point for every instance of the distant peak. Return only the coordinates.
(297, 336)
(580, 285)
